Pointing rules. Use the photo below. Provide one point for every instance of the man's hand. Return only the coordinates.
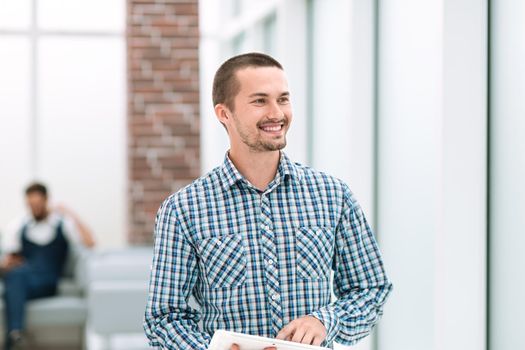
(11, 261)
(86, 235)
(304, 330)
(63, 210)
(236, 347)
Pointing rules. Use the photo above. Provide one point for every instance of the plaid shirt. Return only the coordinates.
(255, 261)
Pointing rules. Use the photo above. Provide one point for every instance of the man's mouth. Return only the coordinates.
(272, 128)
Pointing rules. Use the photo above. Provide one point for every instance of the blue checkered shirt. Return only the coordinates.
(256, 260)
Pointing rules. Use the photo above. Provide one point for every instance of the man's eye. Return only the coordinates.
(284, 100)
(259, 101)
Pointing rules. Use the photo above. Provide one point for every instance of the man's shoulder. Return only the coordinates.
(194, 191)
(18, 222)
(10, 235)
(55, 218)
(318, 178)
(326, 186)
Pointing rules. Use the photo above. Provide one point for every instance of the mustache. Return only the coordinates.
(283, 121)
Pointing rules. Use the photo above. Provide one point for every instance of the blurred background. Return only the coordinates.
(418, 105)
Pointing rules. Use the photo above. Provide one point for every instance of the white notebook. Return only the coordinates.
(222, 340)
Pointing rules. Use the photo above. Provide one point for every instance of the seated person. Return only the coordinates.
(35, 250)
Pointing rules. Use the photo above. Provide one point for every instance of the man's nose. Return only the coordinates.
(276, 111)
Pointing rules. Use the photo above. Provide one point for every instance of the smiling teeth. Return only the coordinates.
(272, 128)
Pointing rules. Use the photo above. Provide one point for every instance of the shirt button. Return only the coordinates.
(219, 243)
(269, 262)
(274, 296)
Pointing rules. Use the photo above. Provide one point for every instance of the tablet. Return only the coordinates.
(222, 340)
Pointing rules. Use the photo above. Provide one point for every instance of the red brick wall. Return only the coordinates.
(163, 106)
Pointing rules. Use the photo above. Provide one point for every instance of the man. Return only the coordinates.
(35, 250)
(255, 240)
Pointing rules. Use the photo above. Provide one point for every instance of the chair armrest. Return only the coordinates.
(81, 277)
(116, 306)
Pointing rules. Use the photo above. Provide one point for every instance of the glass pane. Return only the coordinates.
(15, 14)
(507, 172)
(15, 128)
(81, 15)
(269, 34)
(238, 44)
(83, 128)
(236, 8)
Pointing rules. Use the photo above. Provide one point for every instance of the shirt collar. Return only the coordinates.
(230, 175)
(51, 219)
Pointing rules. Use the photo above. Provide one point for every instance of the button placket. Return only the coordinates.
(271, 269)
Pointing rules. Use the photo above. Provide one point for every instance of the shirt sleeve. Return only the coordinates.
(169, 322)
(360, 282)
(71, 230)
(11, 240)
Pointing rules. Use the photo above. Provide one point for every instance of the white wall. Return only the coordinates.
(462, 245)
(410, 81)
(342, 96)
(82, 130)
(15, 124)
(432, 126)
(507, 195)
(214, 140)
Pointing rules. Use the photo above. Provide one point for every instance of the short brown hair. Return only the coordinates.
(226, 86)
(36, 187)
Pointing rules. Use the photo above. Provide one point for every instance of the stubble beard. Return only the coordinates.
(259, 145)
(40, 216)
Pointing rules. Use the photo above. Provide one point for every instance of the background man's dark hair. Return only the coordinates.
(36, 187)
(225, 84)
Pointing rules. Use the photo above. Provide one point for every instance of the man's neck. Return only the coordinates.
(259, 168)
(41, 217)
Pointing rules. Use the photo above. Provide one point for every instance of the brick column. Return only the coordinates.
(163, 106)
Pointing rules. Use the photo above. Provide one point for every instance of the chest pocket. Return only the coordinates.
(315, 247)
(223, 260)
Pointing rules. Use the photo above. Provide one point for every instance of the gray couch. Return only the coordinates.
(102, 294)
(68, 308)
(117, 293)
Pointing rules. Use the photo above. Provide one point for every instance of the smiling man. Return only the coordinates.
(255, 240)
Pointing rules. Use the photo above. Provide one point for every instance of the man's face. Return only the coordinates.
(37, 202)
(262, 111)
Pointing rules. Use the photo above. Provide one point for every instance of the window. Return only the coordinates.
(62, 94)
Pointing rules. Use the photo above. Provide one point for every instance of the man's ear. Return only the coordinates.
(223, 113)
